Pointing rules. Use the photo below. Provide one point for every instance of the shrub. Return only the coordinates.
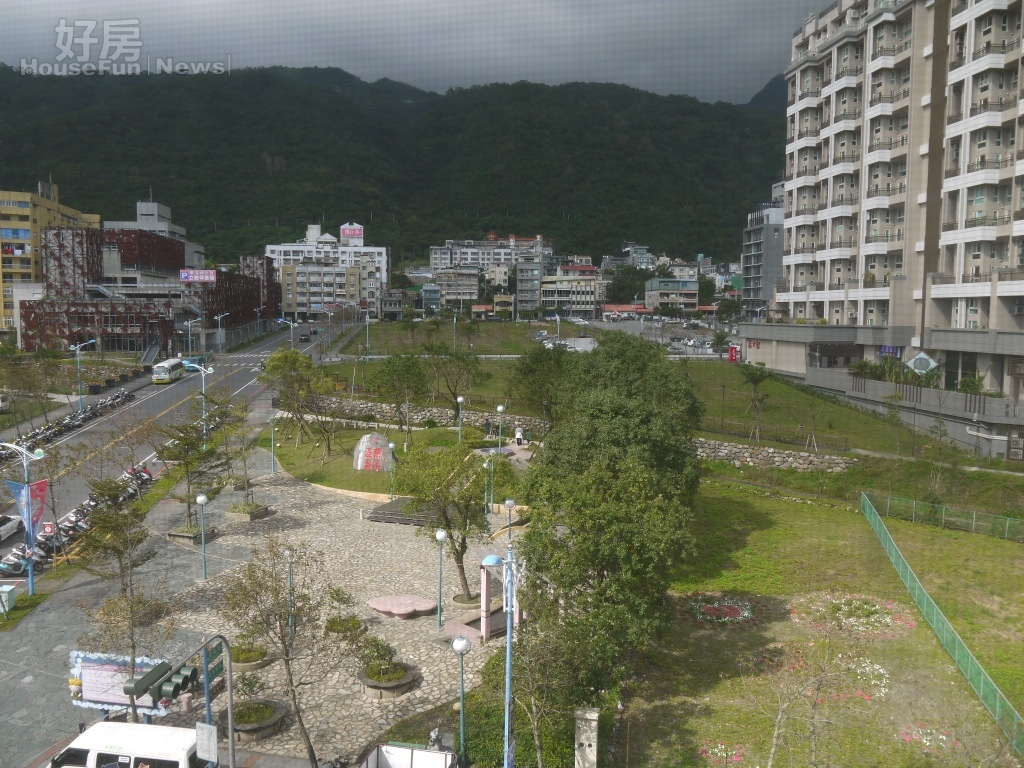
(349, 627)
(430, 424)
(378, 660)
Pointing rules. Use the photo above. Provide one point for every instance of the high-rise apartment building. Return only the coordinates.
(761, 255)
(483, 254)
(23, 217)
(904, 201)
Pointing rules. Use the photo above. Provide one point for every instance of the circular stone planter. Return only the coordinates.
(378, 691)
(460, 603)
(237, 667)
(247, 734)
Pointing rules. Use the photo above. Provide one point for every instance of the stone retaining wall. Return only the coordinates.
(758, 456)
(442, 416)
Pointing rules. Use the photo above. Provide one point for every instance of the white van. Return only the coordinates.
(5, 402)
(130, 745)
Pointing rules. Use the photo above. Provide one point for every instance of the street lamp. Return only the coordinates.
(291, 329)
(202, 372)
(190, 323)
(455, 319)
(510, 574)
(367, 331)
(220, 333)
(202, 501)
(487, 476)
(510, 504)
(25, 506)
(391, 447)
(501, 411)
(460, 400)
(461, 646)
(77, 349)
(291, 597)
(441, 535)
(273, 463)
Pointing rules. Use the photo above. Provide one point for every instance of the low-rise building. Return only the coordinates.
(483, 254)
(459, 286)
(671, 294)
(322, 271)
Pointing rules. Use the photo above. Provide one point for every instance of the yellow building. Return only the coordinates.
(23, 217)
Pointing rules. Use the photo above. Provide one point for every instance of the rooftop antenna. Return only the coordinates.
(151, 193)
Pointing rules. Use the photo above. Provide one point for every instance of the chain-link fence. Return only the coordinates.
(1006, 717)
(949, 517)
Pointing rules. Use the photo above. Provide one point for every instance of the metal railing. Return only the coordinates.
(1002, 711)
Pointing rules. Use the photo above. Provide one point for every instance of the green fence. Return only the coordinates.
(1011, 528)
(1006, 717)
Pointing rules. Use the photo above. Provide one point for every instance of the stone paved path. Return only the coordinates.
(368, 559)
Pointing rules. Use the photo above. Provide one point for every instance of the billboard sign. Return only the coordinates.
(103, 676)
(352, 231)
(198, 275)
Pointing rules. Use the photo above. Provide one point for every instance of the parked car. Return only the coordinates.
(303, 337)
(9, 525)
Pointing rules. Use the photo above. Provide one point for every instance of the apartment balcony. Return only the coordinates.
(889, 98)
(847, 157)
(847, 114)
(843, 242)
(986, 221)
(958, 7)
(992, 105)
(885, 190)
(990, 49)
(954, 117)
(844, 200)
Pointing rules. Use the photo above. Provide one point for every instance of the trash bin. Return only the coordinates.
(7, 598)
(275, 402)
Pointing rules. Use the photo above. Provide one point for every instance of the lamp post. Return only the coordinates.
(291, 597)
(510, 504)
(30, 535)
(494, 469)
(391, 447)
(291, 330)
(201, 500)
(510, 574)
(487, 477)
(190, 323)
(273, 462)
(455, 319)
(77, 349)
(220, 332)
(461, 646)
(367, 331)
(202, 372)
(441, 537)
(460, 400)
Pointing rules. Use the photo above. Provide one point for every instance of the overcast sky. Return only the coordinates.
(716, 50)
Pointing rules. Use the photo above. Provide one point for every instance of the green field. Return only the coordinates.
(487, 338)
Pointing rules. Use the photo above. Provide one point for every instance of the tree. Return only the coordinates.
(718, 340)
(195, 458)
(538, 376)
(278, 599)
(455, 372)
(400, 380)
(114, 547)
(706, 290)
(755, 376)
(290, 374)
(449, 485)
(627, 283)
(610, 496)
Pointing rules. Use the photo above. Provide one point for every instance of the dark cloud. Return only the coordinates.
(712, 49)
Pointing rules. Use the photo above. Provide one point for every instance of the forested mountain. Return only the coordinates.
(253, 157)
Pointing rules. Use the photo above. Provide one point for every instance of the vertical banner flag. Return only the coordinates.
(31, 501)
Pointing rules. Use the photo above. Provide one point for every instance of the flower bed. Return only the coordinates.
(856, 615)
(721, 753)
(720, 609)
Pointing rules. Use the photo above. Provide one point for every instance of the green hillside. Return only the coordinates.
(253, 157)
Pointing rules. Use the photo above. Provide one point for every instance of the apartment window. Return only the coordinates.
(986, 25)
(1004, 21)
(981, 139)
(982, 82)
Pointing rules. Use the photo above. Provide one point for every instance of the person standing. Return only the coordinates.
(519, 435)
(487, 428)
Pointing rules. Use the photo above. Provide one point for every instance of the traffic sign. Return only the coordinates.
(206, 742)
(49, 529)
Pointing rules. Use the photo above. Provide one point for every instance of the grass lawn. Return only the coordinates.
(486, 338)
(709, 684)
(305, 461)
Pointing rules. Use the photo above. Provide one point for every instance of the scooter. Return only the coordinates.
(12, 568)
